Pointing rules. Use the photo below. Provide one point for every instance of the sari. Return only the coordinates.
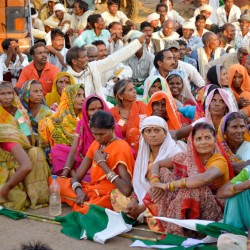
(43, 112)
(245, 87)
(223, 140)
(20, 120)
(209, 99)
(130, 129)
(33, 192)
(173, 118)
(213, 77)
(53, 96)
(148, 84)
(60, 127)
(99, 188)
(190, 203)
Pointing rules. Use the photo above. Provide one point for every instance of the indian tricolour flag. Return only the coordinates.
(99, 224)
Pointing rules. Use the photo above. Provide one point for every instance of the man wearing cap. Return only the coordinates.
(227, 13)
(205, 10)
(193, 75)
(154, 20)
(193, 42)
(60, 19)
(165, 34)
(243, 35)
(47, 11)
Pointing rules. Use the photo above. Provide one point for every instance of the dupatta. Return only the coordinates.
(53, 96)
(85, 136)
(60, 127)
(174, 119)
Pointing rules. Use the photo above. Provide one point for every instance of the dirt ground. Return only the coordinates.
(13, 233)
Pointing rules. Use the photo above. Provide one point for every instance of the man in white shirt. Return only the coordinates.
(228, 13)
(90, 74)
(60, 19)
(115, 15)
(200, 24)
(205, 10)
(193, 76)
(56, 50)
(243, 35)
(12, 61)
(165, 34)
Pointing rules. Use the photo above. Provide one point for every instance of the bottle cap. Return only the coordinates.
(54, 177)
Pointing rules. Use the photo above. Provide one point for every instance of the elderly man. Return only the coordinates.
(243, 35)
(90, 74)
(229, 31)
(229, 59)
(208, 53)
(154, 20)
(165, 34)
(92, 52)
(47, 11)
(193, 42)
(40, 69)
(228, 13)
(60, 19)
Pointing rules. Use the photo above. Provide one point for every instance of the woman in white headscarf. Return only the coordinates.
(155, 144)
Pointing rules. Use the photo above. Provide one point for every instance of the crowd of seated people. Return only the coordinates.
(149, 119)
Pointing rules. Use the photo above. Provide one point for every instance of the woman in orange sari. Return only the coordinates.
(160, 104)
(129, 112)
(111, 164)
(239, 82)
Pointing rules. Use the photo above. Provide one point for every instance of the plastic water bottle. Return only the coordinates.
(55, 206)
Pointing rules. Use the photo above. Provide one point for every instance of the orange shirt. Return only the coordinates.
(47, 77)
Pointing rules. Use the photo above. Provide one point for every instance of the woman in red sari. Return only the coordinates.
(128, 112)
(110, 162)
(188, 191)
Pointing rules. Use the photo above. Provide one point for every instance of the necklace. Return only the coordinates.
(205, 161)
(104, 146)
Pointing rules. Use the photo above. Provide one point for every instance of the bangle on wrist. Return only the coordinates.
(116, 176)
(183, 183)
(100, 161)
(75, 185)
(67, 168)
(233, 189)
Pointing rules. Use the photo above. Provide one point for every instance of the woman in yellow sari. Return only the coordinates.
(62, 80)
(12, 111)
(57, 131)
(23, 171)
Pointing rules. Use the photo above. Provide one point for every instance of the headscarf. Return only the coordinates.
(213, 75)
(24, 96)
(222, 138)
(85, 135)
(174, 120)
(148, 84)
(246, 80)
(189, 164)
(186, 92)
(168, 149)
(209, 99)
(7, 118)
(53, 96)
(60, 127)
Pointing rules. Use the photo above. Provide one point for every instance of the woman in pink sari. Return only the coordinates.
(83, 137)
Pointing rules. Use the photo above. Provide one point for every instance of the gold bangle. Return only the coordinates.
(183, 183)
(233, 189)
(154, 180)
(171, 186)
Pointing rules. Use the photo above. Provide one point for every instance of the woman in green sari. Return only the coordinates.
(23, 171)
